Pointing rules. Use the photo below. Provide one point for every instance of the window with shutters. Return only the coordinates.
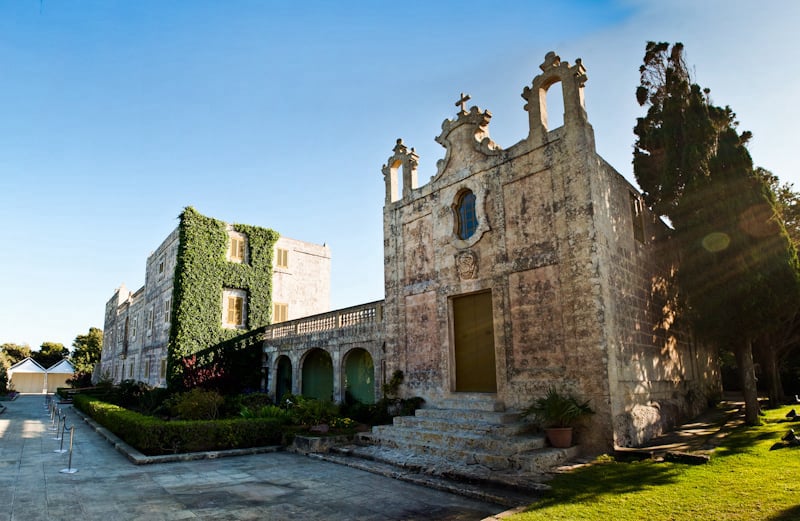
(162, 371)
(280, 313)
(237, 247)
(149, 326)
(167, 310)
(234, 308)
(282, 258)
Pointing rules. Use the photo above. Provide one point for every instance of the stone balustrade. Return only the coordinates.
(363, 314)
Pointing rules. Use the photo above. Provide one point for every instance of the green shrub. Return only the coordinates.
(153, 436)
(129, 393)
(198, 404)
(267, 411)
(255, 400)
(310, 411)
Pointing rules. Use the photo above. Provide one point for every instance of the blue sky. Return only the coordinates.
(118, 114)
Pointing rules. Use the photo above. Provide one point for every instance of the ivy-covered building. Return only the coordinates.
(207, 282)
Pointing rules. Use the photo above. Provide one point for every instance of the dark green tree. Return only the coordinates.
(3, 381)
(776, 350)
(50, 353)
(13, 353)
(738, 269)
(86, 351)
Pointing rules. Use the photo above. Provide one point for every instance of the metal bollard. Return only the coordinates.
(69, 469)
(56, 413)
(58, 427)
(61, 449)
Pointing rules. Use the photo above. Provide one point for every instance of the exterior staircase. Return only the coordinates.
(469, 445)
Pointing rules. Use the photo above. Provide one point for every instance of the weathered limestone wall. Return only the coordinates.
(659, 376)
(149, 310)
(304, 284)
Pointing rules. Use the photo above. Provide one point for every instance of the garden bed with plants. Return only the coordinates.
(156, 422)
(155, 436)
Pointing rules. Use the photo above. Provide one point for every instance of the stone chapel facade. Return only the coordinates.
(538, 265)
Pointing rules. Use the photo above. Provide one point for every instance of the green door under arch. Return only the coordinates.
(283, 377)
(359, 376)
(318, 376)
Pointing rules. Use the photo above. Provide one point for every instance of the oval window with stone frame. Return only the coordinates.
(467, 218)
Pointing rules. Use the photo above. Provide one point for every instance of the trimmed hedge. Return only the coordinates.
(153, 436)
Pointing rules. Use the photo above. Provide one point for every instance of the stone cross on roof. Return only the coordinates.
(463, 102)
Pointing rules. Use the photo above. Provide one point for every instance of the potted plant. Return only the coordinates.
(557, 413)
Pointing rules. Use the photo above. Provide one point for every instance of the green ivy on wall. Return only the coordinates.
(201, 273)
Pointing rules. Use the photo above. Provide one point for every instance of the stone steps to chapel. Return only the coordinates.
(457, 426)
(472, 402)
(466, 415)
(452, 444)
(510, 490)
(508, 486)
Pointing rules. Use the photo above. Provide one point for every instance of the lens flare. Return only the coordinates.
(716, 241)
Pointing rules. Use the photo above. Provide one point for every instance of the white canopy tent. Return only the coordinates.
(58, 374)
(27, 376)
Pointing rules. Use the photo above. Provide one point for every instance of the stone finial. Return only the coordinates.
(399, 148)
(551, 60)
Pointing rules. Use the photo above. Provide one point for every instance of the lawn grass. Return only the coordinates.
(743, 481)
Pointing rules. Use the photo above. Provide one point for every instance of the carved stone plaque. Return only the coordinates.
(467, 265)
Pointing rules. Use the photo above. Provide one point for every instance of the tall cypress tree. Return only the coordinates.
(738, 269)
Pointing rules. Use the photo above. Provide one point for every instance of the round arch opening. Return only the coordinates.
(318, 375)
(359, 377)
(283, 377)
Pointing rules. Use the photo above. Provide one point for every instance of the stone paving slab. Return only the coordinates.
(272, 486)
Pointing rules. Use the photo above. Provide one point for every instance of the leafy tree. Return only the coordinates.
(86, 351)
(3, 381)
(775, 350)
(738, 269)
(50, 353)
(13, 353)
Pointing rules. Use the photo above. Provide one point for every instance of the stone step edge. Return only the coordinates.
(536, 488)
(405, 432)
(460, 422)
(466, 431)
(440, 412)
(506, 496)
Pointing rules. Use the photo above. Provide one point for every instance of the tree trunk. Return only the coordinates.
(765, 350)
(747, 372)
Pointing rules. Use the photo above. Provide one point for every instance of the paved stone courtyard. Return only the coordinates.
(273, 486)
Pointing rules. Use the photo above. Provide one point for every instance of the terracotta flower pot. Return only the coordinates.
(559, 437)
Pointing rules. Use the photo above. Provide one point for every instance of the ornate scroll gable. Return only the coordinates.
(468, 132)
